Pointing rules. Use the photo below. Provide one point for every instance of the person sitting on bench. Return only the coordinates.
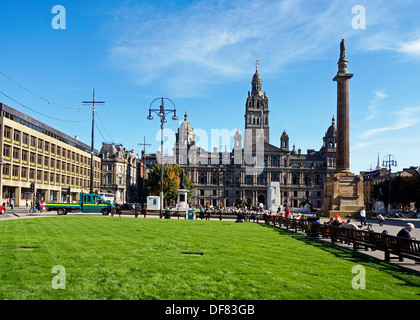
(405, 232)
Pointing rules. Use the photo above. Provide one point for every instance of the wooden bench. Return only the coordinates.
(361, 238)
(325, 231)
(402, 248)
(290, 223)
(204, 215)
(338, 233)
(302, 225)
(178, 214)
(313, 229)
(252, 216)
(391, 245)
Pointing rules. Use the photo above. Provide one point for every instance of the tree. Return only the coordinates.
(245, 203)
(403, 190)
(171, 181)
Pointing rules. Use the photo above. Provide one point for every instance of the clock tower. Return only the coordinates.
(256, 113)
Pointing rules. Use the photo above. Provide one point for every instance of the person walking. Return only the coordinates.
(363, 216)
(381, 220)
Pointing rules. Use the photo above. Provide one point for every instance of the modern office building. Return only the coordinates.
(34, 152)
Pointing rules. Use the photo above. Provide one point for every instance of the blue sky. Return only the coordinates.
(201, 55)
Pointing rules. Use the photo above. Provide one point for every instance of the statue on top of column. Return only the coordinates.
(182, 182)
(342, 49)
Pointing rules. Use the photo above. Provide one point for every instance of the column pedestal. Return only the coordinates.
(343, 195)
(182, 204)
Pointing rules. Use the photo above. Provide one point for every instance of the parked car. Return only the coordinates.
(2, 209)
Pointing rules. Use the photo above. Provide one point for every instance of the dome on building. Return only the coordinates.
(185, 125)
(332, 130)
(256, 77)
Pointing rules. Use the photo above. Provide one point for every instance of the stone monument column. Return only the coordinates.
(343, 191)
(343, 142)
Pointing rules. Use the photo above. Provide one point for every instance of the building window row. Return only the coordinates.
(7, 132)
(27, 142)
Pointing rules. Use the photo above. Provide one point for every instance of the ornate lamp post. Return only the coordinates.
(389, 161)
(162, 113)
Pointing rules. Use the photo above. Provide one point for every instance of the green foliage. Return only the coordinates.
(403, 190)
(171, 181)
(244, 203)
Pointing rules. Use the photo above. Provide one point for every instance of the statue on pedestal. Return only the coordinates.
(182, 183)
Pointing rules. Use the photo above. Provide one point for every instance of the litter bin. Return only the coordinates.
(191, 214)
(167, 213)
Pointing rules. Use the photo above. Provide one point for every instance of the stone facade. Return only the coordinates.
(223, 176)
(121, 173)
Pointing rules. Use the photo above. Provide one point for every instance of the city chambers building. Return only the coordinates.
(34, 152)
(224, 176)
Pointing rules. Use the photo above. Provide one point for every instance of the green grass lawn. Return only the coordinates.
(128, 258)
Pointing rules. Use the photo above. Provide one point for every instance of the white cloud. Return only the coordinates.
(374, 105)
(361, 145)
(380, 94)
(411, 47)
(217, 41)
(404, 119)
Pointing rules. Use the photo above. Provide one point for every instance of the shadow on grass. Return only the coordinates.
(411, 277)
